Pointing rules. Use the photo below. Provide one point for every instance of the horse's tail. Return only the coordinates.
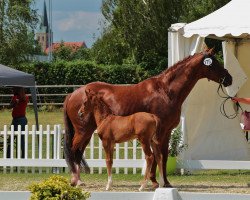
(155, 137)
(68, 136)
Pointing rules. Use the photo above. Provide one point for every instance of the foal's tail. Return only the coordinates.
(155, 137)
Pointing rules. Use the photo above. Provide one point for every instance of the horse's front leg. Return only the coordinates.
(109, 149)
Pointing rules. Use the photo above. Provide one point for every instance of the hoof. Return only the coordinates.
(80, 183)
(143, 185)
(167, 185)
(109, 185)
(155, 185)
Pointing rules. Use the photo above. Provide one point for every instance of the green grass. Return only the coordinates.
(45, 117)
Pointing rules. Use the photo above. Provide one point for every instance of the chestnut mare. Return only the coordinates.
(114, 129)
(162, 95)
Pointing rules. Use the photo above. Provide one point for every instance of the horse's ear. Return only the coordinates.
(89, 93)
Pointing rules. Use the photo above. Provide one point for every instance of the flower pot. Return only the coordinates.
(171, 165)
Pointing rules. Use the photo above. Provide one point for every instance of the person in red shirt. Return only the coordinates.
(19, 102)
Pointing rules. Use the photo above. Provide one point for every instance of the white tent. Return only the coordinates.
(209, 135)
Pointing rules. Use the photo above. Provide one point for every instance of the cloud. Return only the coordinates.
(80, 25)
(78, 20)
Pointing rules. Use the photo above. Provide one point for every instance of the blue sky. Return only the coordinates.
(74, 20)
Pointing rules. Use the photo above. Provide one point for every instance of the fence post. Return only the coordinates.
(48, 145)
(4, 146)
(26, 142)
(33, 145)
(126, 156)
(100, 154)
(92, 151)
(18, 144)
(117, 156)
(40, 145)
(55, 169)
(134, 154)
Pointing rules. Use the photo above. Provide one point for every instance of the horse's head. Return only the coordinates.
(214, 70)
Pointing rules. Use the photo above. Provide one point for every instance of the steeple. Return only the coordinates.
(44, 22)
(43, 34)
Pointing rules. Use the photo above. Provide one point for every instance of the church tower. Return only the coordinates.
(42, 35)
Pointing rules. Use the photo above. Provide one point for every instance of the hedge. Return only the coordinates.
(81, 72)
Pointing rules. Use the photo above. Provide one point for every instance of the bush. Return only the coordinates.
(56, 188)
(176, 145)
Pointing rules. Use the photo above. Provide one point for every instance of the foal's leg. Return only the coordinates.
(149, 159)
(109, 150)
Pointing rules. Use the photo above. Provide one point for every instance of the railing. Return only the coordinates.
(44, 149)
(46, 94)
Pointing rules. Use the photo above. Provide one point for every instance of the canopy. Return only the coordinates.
(232, 20)
(208, 134)
(12, 77)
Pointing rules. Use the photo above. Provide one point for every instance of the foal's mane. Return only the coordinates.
(105, 109)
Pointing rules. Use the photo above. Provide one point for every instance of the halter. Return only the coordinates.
(222, 106)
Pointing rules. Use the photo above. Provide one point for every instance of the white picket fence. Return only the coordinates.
(44, 149)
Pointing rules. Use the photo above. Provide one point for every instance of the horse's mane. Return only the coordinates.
(176, 67)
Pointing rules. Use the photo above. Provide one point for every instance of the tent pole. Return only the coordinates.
(34, 100)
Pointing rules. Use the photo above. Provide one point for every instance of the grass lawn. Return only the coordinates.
(225, 181)
(50, 118)
(228, 181)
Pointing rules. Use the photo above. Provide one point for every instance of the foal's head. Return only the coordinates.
(95, 104)
(213, 70)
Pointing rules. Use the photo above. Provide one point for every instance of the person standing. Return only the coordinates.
(19, 102)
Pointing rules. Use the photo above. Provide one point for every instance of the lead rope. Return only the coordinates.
(222, 106)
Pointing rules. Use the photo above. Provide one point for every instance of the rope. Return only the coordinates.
(222, 106)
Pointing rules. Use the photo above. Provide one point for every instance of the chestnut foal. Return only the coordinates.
(117, 129)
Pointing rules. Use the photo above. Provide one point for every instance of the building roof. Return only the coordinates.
(73, 45)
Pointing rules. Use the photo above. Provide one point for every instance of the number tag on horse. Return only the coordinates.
(207, 61)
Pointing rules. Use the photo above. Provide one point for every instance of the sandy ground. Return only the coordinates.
(123, 186)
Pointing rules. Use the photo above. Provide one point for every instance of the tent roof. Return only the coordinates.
(231, 20)
(13, 77)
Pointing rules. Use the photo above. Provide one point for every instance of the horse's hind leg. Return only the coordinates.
(149, 160)
(80, 141)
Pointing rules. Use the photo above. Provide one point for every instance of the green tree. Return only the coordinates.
(17, 24)
(196, 9)
(110, 48)
(141, 26)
